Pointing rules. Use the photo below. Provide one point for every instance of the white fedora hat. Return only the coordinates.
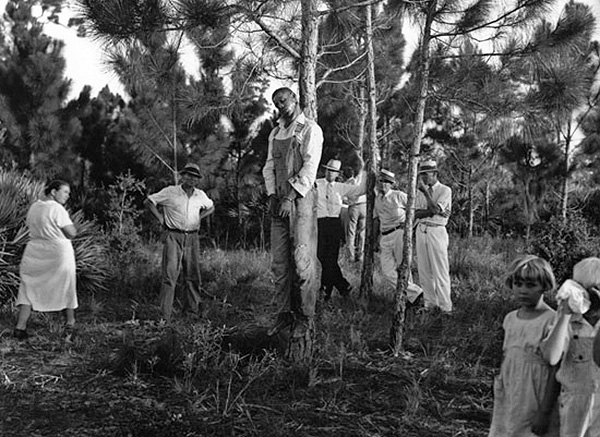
(333, 165)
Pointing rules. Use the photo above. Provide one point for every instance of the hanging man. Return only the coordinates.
(293, 156)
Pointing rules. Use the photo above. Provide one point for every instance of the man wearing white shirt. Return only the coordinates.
(329, 205)
(293, 156)
(389, 213)
(182, 208)
(357, 221)
(433, 206)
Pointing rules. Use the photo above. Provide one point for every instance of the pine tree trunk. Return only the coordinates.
(300, 344)
(397, 329)
(310, 37)
(366, 283)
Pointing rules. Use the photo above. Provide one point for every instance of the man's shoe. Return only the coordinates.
(20, 334)
(284, 320)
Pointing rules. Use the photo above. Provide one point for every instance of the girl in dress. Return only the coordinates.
(48, 265)
(571, 344)
(522, 401)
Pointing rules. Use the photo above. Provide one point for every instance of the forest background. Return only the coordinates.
(509, 111)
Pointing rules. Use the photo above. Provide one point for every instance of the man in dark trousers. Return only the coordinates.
(179, 209)
(329, 205)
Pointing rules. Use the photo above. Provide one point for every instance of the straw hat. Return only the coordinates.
(386, 175)
(333, 165)
(427, 165)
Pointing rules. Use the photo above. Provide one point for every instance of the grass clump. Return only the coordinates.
(223, 376)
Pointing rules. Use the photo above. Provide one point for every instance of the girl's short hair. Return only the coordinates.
(56, 184)
(531, 268)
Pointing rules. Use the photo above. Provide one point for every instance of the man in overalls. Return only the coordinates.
(293, 157)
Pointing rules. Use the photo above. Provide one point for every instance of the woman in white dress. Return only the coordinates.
(48, 265)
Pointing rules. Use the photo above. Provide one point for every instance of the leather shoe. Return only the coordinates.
(20, 334)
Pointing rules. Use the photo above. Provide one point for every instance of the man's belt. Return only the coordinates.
(389, 231)
(432, 225)
(179, 231)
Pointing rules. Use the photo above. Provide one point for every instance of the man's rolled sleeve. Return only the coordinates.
(160, 197)
(312, 147)
(445, 201)
(269, 169)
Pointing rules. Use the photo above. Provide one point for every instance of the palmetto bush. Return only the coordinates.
(17, 192)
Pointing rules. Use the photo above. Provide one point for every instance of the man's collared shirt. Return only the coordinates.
(180, 211)
(390, 209)
(310, 139)
(442, 196)
(330, 194)
(357, 180)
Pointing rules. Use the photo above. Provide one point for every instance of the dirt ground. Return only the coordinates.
(52, 388)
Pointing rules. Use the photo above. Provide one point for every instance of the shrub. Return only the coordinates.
(131, 265)
(563, 243)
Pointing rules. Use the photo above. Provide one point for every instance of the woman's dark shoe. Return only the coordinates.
(20, 334)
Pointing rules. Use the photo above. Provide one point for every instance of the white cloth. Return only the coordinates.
(181, 211)
(48, 265)
(576, 296)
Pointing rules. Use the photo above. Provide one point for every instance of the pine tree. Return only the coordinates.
(38, 133)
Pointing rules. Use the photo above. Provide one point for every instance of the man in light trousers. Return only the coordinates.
(433, 206)
(390, 214)
(357, 216)
(293, 156)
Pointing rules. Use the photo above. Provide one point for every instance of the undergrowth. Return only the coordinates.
(223, 376)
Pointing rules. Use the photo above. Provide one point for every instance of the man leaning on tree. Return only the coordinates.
(330, 194)
(293, 157)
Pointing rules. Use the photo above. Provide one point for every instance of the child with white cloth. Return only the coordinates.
(522, 406)
(570, 343)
